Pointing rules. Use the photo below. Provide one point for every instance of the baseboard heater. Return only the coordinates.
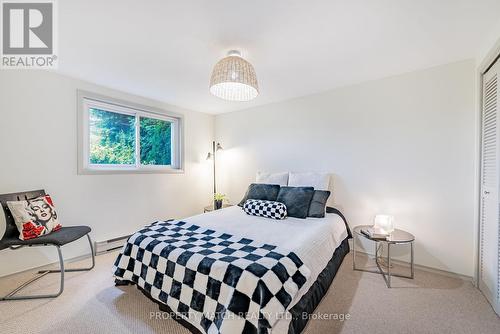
(109, 245)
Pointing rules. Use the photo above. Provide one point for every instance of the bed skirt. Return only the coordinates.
(307, 304)
(312, 298)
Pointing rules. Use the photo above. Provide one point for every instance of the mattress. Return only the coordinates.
(314, 240)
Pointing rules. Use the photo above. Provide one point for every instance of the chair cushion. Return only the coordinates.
(34, 217)
(59, 238)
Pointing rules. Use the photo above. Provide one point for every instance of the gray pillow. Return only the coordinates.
(296, 199)
(317, 207)
(266, 192)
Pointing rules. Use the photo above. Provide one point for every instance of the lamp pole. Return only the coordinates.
(213, 156)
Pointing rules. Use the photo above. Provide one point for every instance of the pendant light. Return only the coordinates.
(233, 79)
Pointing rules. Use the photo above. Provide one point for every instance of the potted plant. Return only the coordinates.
(218, 200)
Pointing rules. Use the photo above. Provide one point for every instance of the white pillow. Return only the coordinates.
(272, 178)
(320, 181)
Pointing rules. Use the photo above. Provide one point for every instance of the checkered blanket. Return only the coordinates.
(216, 281)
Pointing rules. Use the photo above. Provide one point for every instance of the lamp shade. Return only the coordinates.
(384, 224)
(234, 79)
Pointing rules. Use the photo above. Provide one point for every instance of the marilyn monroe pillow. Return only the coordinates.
(34, 217)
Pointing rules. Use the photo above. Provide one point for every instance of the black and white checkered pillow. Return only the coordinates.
(269, 209)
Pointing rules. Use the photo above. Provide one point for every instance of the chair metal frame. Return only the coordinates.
(12, 295)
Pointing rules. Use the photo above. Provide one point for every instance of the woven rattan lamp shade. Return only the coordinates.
(234, 79)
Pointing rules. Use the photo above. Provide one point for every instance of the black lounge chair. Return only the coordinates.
(58, 238)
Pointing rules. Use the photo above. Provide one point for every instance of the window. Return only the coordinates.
(117, 137)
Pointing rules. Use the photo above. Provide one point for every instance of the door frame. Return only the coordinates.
(484, 65)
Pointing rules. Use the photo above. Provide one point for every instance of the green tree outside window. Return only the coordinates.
(112, 139)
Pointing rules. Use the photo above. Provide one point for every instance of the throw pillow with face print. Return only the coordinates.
(34, 217)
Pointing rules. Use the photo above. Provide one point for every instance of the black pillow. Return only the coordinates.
(266, 192)
(317, 207)
(296, 199)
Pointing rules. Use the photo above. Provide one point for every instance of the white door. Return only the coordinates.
(489, 274)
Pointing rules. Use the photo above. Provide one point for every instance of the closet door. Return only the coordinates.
(489, 274)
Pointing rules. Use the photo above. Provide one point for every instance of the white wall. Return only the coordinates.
(490, 45)
(402, 145)
(38, 149)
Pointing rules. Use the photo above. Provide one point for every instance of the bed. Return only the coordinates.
(311, 249)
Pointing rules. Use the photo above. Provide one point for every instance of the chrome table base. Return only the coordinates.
(385, 274)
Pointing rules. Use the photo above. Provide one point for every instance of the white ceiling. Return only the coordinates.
(166, 49)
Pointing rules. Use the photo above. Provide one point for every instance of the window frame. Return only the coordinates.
(87, 100)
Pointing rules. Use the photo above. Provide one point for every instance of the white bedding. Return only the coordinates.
(314, 240)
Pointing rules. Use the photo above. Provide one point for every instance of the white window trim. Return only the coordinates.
(86, 100)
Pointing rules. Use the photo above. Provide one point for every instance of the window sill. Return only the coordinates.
(102, 171)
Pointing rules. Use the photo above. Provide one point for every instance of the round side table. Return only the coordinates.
(211, 208)
(397, 237)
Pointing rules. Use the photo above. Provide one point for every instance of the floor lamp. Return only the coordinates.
(211, 156)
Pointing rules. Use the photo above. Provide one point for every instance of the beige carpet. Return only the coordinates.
(431, 303)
